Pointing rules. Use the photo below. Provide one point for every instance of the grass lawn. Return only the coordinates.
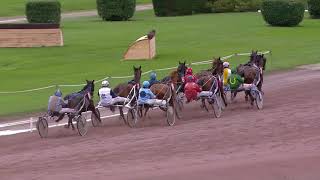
(17, 7)
(93, 49)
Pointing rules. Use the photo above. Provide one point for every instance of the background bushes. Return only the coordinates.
(116, 10)
(43, 11)
(220, 6)
(314, 8)
(202, 6)
(282, 12)
(172, 7)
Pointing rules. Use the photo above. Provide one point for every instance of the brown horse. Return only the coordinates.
(207, 81)
(165, 91)
(252, 72)
(124, 89)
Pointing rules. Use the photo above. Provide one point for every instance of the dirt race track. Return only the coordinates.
(281, 142)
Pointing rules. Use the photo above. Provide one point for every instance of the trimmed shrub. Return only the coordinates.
(314, 8)
(247, 5)
(221, 6)
(43, 11)
(116, 10)
(172, 7)
(282, 12)
(202, 6)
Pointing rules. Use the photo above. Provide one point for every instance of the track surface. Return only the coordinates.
(281, 142)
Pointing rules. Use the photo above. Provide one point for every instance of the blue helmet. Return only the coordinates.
(153, 76)
(58, 93)
(145, 84)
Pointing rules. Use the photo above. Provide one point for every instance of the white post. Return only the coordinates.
(31, 124)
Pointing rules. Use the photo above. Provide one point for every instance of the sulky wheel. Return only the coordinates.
(95, 120)
(132, 117)
(81, 125)
(42, 127)
(259, 100)
(221, 103)
(171, 115)
(216, 107)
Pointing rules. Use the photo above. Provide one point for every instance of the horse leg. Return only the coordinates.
(60, 117)
(70, 122)
(251, 99)
(122, 115)
(144, 115)
(246, 97)
(259, 86)
(233, 95)
(223, 95)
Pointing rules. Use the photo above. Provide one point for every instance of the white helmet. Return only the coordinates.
(226, 64)
(105, 83)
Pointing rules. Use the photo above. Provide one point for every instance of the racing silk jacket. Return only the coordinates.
(226, 75)
(106, 94)
(190, 78)
(153, 81)
(55, 104)
(191, 90)
(235, 80)
(145, 94)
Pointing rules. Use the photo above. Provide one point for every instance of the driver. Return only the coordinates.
(107, 96)
(147, 97)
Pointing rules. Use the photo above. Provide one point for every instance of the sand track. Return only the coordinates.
(281, 142)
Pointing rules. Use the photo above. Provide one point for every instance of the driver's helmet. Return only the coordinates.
(105, 83)
(226, 64)
(58, 93)
(189, 71)
(153, 76)
(145, 84)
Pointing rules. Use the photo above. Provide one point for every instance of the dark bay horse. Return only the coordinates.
(206, 81)
(124, 89)
(80, 101)
(252, 72)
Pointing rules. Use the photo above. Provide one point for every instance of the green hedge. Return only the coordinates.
(172, 7)
(202, 6)
(314, 8)
(116, 10)
(282, 12)
(43, 11)
(221, 6)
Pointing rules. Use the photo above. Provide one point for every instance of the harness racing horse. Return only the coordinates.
(252, 72)
(181, 70)
(207, 81)
(80, 101)
(165, 91)
(124, 89)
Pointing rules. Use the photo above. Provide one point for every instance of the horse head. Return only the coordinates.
(182, 69)
(217, 66)
(137, 74)
(253, 56)
(175, 77)
(262, 61)
(88, 88)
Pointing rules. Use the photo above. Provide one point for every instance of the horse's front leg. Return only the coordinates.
(61, 116)
(122, 115)
(70, 122)
(247, 94)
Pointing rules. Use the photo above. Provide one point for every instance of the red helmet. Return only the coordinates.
(189, 70)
